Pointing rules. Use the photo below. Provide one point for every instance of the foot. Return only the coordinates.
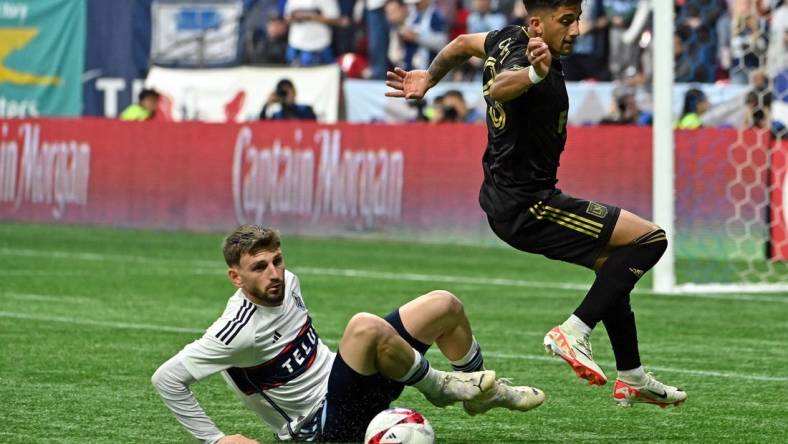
(522, 398)
(459, 386)
(650, 392)
(575, 349)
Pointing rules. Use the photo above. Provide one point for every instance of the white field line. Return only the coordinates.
(47, 298)
(107, 324)
(207, 267)
(506, 356)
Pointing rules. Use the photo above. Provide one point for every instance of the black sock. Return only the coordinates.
(618, 276)
(622, 331)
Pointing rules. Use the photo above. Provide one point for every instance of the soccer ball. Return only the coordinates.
(399, 426)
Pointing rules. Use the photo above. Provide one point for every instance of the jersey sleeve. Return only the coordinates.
(508, 47)
(208, 355)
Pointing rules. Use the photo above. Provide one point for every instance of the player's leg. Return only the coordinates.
(634, 247)
(439, 317)
(371, 345)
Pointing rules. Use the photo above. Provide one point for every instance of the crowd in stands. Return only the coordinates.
(715, 40)
(726, 41)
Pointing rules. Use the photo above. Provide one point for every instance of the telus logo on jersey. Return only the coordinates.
(314, 178)
(294, 359)
(49, 172)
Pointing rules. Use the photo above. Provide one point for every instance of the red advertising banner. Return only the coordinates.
(409, 180)
(779, 201)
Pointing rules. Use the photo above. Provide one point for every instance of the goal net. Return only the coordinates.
(721, 189)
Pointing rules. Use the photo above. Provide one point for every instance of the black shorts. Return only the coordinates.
(561, 227)
(353, 400)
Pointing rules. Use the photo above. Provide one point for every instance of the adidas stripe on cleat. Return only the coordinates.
(575, 349)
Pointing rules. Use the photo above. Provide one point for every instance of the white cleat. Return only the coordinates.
(459, 386)
(522, 398)
(575, 349)
(650, 392)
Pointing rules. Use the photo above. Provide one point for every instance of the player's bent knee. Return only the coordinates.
(445, 303)
(367, 327)
(652, 245)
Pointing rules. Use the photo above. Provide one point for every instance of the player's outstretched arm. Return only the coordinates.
(511, 83)
(415, 84)
(172, 381)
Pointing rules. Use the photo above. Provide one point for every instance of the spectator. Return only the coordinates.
(483, 19)
(283, 103)
(309, 40)
(695, 105)
(144, 109)
(777, 54)
(625, 110)
(623, 57)
(454, 109)
(396, 15)
(758, 102)
(587, 58)
(271, 48)
(748, 47)
(696, 24)
(416, 38)
(344, 37)
(377, 38)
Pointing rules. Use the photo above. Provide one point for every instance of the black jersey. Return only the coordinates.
(526, 135)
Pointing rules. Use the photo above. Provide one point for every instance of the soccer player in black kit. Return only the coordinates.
(527, 107)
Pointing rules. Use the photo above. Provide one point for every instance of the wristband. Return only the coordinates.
(535, 78)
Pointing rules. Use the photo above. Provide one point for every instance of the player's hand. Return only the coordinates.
(236, 439)
(408, 84)
(539, 56)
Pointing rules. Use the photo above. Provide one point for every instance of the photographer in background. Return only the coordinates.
(454, 109)
(281, 105)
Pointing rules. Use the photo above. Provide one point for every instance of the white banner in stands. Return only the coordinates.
(238, 94)
(590, 102)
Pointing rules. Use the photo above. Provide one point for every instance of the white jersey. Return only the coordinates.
(271, 356)
(311, 35)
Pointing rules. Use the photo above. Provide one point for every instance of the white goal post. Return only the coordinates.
(744, 264)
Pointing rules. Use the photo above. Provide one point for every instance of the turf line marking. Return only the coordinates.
(371, 274)
(45, 298)
(108, 324)
(526, 357)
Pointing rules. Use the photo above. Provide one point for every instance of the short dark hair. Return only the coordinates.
(692, 97)
(454, 93)
(283, 83)
(248, 239)
(147, 92)
(533, 5)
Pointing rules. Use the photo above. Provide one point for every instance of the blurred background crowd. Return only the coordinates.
(739, 42)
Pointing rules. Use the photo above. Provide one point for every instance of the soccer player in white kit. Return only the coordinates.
(268, 351)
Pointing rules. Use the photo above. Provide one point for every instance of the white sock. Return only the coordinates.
(430, 384)
(418, 370)
(472, 361)
(634, 376)
(577, 325)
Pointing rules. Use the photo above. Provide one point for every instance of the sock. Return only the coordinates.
(634, 376)
(418, 371)
(472, 361)
(576, 324)
(621, 329)
(618, 276)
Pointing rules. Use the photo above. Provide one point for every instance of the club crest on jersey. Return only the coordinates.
(597, 210)
(298, 301)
